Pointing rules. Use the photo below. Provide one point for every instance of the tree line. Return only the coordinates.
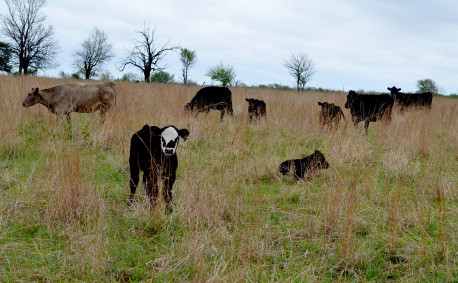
(32, 47)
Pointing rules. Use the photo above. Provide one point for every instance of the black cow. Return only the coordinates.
(256, 108)
(304, 168)
(153, 150)
(410, 100)
(369, 107)
(330, 114)
(212, 97)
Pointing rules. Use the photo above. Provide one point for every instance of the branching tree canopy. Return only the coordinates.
(221, 73)
(427, 85)
(301, 68)
(188, 59)
(5, 57)
(32, 44)
(94, 53)
(146, 55)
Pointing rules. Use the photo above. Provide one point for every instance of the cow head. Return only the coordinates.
(350, 98)
(324, 105)
(32, 98)
(394, 90)
(170, 138)
(318, 160)
(188, 107)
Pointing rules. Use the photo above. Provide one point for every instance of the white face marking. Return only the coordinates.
(169, 141)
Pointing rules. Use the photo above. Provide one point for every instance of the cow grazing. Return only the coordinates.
(212, 97)
(75, 97)
(153, 150)
(304, 168)
(330, 114)
(410, 100)
(256, 108)
(369, 107)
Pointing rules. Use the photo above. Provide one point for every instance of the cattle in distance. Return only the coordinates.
(256, 108)
(75, 97)
(411, 100)
(369, 107)
(305, 167)
(212, 97)
(330, 114)
(153, 151)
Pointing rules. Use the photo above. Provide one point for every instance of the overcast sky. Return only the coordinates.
(355, 44)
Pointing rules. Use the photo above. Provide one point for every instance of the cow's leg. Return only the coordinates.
(222, 113)
(103, 115)
(366, 124)
(150, 181)
(167, 190)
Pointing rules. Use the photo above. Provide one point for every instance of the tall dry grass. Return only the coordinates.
(385, 209)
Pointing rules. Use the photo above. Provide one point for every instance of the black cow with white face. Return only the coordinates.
(369, 107)
(153, 151)
(411, 100)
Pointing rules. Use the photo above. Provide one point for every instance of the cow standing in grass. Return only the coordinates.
(411, 100)
(153, 151)
(369, 107)
(75, 97)
(212, 97)
(330, 114)
(256, 108)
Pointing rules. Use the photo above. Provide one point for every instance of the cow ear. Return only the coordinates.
(247, 99)
(388, 88)
(319, 103)
(35, 91)
(399, 89)
(156, 131)
(183, 133)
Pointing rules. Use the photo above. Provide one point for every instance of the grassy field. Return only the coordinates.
(386, 209)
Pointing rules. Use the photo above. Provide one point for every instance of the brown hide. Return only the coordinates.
(75, 97)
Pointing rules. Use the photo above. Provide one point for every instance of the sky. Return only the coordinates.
(354, 44)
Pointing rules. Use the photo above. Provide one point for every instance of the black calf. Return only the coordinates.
(153, 151)
(304, 168)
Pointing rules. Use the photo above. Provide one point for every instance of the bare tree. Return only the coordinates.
(188, 59)
(94, 53)
(32, 44)
(301, 68)
(145, 55)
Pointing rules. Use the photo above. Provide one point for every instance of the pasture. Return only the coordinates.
(385, 209)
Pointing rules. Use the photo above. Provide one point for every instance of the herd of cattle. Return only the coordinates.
(153, 150)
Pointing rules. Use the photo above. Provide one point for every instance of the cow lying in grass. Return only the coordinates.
(256, 108)
(305, 167)
(153, 150)
(330, 114)
(75, 97)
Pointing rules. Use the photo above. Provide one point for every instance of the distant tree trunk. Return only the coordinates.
(32, 44)
(145, 55)
(94, 53)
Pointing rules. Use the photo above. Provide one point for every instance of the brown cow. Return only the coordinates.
(256, 108)
(75, 97)
(330, 113)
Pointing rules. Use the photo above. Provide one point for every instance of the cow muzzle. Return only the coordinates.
(169, 150)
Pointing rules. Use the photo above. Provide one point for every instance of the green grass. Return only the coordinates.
(385, 210)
